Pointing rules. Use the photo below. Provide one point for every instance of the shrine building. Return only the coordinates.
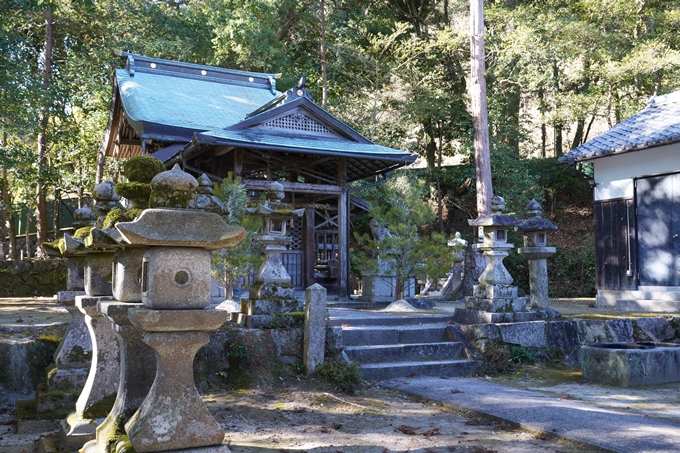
(213, 120)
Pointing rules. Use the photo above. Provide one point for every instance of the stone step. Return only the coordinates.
(444, 368)
(649, 306)
(404, 352)
(390, 335)
(347, 318)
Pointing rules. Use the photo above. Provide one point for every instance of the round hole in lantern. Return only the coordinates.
(182, 278)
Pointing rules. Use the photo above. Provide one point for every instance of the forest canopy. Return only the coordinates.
(558, 72)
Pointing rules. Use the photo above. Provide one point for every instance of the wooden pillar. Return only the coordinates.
(343, 230)
(310, 248)
(238, 161)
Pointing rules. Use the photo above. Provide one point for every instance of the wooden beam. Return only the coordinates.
(238, 161)
(298, 187)
(343, 230)
(310, 248)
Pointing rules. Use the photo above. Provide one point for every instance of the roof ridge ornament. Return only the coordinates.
(298, 91)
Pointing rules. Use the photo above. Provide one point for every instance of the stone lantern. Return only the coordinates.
(98, 395)
(457, 267)
(535, 230)
(272, 295)
(175, 289)
(495, 293)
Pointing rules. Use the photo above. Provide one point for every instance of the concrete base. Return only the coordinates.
(653, 299)
(68, 296)
(631, 364)
(468, 316)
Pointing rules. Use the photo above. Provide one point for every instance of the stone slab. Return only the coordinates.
(527, 334)
(68, 297)
(655, 329)
(471, 316)
(177, 320)
(272, 306)
(498, 305)
(574, 420)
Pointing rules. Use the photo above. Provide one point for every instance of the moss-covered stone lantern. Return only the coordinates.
(175, 291)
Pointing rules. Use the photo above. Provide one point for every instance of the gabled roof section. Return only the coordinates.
(299, 116)
(298, 125)
(658, 124)
(170, 100)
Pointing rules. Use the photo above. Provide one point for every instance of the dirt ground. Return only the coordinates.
(298, 414)
(302, 415)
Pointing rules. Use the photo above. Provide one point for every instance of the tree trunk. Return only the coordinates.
(324, 76)
(578, 135)
(29, 214)
(57, 209)
(3, 204)
(41, 212)
(12, 233)
(479, 108)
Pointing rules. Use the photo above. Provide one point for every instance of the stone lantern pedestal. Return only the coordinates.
(494, 299)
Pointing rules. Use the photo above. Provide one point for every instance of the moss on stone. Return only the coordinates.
(112, 218)
(136, 192)
(78, 354)
(131, 214)
(142, 169)
(167, 197)
(82, 233)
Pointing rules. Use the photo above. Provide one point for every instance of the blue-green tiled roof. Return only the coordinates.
(304, 144)
(185, 102)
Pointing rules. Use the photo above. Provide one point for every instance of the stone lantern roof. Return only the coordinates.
(536, 222)
(175, 221)
(496, 218)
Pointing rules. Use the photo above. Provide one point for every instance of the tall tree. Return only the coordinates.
(479, 108)
(41, 208)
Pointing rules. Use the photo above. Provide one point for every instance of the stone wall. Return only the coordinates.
(561, 340)
(238, 358)
(27, 278)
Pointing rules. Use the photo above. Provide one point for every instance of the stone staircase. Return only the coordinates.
(394, 345)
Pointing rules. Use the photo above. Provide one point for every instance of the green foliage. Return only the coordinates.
(398, 213)
(572, 273)
(235, 351)
(232, 264)
(342, 375)
(520, 355)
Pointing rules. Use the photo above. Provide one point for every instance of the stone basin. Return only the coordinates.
(631, 364)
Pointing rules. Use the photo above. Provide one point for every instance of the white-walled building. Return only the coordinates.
(636, 167)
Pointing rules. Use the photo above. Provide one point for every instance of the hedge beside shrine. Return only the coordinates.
(27, 278)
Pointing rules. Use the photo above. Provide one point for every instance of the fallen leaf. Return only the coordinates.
(409, 430)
